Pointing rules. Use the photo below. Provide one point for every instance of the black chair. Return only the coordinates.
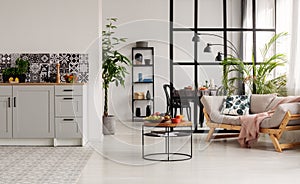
(177, 102)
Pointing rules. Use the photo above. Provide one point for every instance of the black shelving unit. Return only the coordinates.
(142, 62)
(224, 30)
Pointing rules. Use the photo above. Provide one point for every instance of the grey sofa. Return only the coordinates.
(285, 118)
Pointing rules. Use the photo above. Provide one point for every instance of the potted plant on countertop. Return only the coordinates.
(18, 73)
(113, 69)
(257, 75)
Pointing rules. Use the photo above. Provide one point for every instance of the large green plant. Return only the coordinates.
(258, 75)
(113, 62)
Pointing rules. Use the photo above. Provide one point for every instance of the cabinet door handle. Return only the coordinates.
(8, 102)
(15, 101)
(68, 90)
(68, 98)
(68, 119)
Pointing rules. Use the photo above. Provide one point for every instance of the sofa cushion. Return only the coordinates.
(275, 120)
(212, 103)
(236, 105)
(225, 119)
(274, 102)
(260, 102)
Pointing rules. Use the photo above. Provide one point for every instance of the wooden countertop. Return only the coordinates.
(39, 84)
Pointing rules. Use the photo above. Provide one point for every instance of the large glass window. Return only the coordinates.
(210, 13)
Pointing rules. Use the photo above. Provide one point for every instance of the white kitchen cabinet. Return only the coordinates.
(68, 106)
(69, 111)
(6, 112)
(43, 114)
(33, 111)
(68, 127)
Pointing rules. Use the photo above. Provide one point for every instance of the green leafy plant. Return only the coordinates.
(258, 75)
(113, 62)
(20, 69)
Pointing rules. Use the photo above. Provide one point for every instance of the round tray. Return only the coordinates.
(153, 121)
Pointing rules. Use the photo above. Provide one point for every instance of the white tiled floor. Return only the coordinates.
(118, 160)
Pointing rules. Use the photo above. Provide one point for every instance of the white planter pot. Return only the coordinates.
(109, 125)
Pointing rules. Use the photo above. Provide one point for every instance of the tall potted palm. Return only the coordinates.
(257, 75)
(113, 69)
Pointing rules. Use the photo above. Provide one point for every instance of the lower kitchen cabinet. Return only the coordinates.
(33, 112)
(5, 112)
(51, 114)
(66, 128)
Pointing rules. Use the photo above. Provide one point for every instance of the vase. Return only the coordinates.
(148, 110)
(138, 112)
(147, 61)
(148, 95)
(138, 58)
(140, 76)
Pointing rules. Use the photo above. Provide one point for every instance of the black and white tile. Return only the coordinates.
(44, 64)
(14, 57)
(55, 58)
(6, 60)
(44, 73)
(83, 68)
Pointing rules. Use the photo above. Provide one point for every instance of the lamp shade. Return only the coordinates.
(218, 57)
(207, 48)
(196, 38)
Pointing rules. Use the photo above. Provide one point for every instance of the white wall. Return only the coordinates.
(140, 20)
(57, 26)
(149, 20)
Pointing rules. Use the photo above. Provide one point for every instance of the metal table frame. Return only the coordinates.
(167, 137)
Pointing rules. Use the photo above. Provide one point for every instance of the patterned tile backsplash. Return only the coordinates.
(42, 65)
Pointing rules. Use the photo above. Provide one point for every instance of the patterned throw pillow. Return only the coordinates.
(236, 105)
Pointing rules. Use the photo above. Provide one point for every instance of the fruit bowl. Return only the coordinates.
(153, 119)
(70, 78)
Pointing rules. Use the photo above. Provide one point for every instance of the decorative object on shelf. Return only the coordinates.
(147, 80)
(139, 95)
(148, 95)
(16, 74)
(148, 110)
(141, 44)
(138, 112)
(140, 76)
(147, 61)
(113, 68)
(138, 58)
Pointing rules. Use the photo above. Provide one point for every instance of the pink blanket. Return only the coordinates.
(250, 123)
